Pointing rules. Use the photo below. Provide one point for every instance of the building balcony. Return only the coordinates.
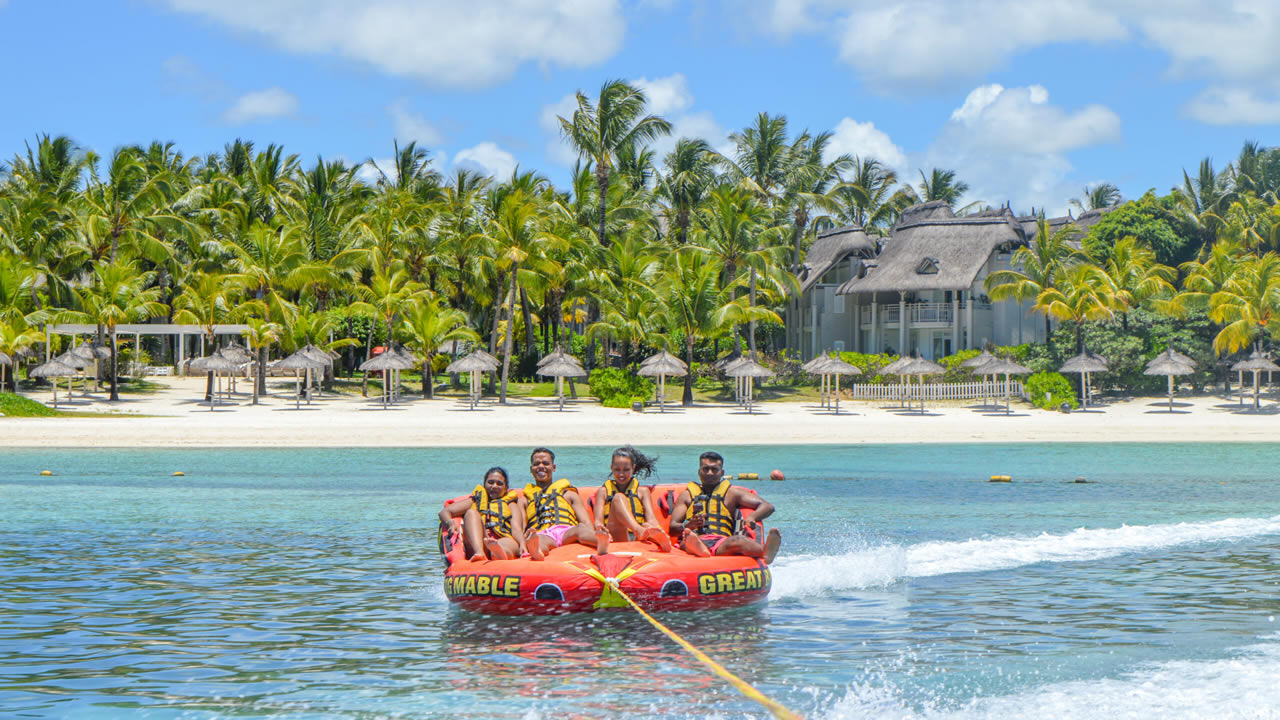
(921, 314)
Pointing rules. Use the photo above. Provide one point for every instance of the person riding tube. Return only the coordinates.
(552, 511)
(624, 510)
(491, 527)
(706, 516)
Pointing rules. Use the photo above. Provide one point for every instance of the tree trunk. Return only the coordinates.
(686, 399)
(115, 368)
(509, 336)
(602, 183)
(530, 346)
(428, 384)
(260, 377)
(497, 318)
(368, 353)
(751, 324)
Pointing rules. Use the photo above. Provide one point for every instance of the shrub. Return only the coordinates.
(870, 366)
(1048, 390)
(439, 362)
(618, 388)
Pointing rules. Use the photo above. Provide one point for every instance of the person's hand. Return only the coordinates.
(753, 526)
(695, 522)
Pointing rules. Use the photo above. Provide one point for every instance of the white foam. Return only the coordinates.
(1238, 687)
(879, 566)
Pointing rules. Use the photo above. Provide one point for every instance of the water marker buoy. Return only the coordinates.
(748, 476)
(1001, 478)
(777, 475)
(178, 473)
(46, 473)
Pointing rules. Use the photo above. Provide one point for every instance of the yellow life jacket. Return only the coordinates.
(719, 520)
(495, 513)
(633, 494)
(549, 507)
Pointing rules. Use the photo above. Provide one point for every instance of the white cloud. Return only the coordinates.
(443, 42)
(410, 126)
(558, 149)
(487, 158)
(262, 105)
(1234, 106)
(666, 94)
(864, 140)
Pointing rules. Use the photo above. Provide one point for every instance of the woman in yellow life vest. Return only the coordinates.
(624, 510)
(490, 525)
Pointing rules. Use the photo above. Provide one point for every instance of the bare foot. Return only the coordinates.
(478, 557)
(534, 547)
(602, 543)
(496, 552)
(657, 537)
(693, 545)
(771, 545)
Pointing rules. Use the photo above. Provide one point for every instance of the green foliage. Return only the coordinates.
(1151, 223)
(1048, 390)
(17, 406)
(439, 363)
(618, 388)
(870, 366)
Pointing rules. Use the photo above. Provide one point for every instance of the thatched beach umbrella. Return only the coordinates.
(298, 362)
(660, 366)
(975, 363)
(1257, 362)
(1170, 363)
(833, 367)
(748, 370)
(1006, 367)
(892, 369)
(53, 370)
(813, 368)
(215, 364)
(389, 363)
(5, 361)
(1085, 363)
(727, 365)
(561, 368)
(920, 367)
(474, 363)
(90, 353)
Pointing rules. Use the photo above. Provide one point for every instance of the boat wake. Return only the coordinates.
(1241, 686)
(878, 566)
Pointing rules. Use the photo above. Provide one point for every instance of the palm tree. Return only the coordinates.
(1136, 275)
(15, 337)
(1248, 306)
(684, 186)
(600, 130)
(208, 301)
(761, 157)
(942, 185)
(429, 324)
(810, 182)
(1096, 197)
(1083, 293)
(259, 337)
(867, 197)
(119, 294)
(692, 303)
(1036, 268)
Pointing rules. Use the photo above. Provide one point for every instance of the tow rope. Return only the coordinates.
(608, 598)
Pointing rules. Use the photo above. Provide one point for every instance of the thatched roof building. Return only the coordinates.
(829, 249)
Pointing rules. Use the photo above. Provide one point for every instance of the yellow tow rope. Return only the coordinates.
(611, 589)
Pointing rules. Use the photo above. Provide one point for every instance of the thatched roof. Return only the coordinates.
(727, 361)
(834, 366)
(929, 251)
(1004, 366)
(387, 360)
(318, 354)
(831, 247)
(1257, 362)
(558, 354)
(977, 361)
(932, 210)
(563, 366)
(748, 368)
(214, 363)
(478, 360)
(1170, 362)
(235, 353)
(893, 367)
(920, 366)
(69, 358)
(299, 361)
(1084, 362)
(86, 351)
(815, 362)
(664, 363)
(1080, 225)
(5, 359)
(53, 368)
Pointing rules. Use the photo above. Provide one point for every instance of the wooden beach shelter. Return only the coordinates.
(832, 367)
(1006, 367)
(238, 355)
(560, 368)
(90, 353)
(325, 358)
(475, 363)
(215, 364)
(919, 367)
(1086, 363)
(812, 367)
(54, 369)
(300, 362)
(70, 358)
(975, 363)
(1256, 363)
(748, 370)
(892, 369)
(1170, 363)
(660, 366)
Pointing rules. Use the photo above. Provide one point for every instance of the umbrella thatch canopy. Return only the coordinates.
(475, 363)
(90, 352)
(215, 364)
(389, 361)
(892, 369)
(559, 354)
(1006, 367)
(381, 362)
(660, 366)
(53, 370)
(300, 361)
(1085, 363)
(748, 370)
(1256, 363)
(236, 354)
(918, 367)
(70, 359)
(833, 367)
(975, 364)
(5, 359)
(560, 366)
(1170, 363)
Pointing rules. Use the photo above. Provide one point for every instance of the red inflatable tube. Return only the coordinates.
(574, 579)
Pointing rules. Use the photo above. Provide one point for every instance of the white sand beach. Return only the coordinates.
(174, 418)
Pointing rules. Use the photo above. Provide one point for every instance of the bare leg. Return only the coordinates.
(739, 545)
(693, 545)
(581, 533)
(657, 537)
(771, 545)
(473, 534)
(510, 547)
(621, 521)
(538, 545)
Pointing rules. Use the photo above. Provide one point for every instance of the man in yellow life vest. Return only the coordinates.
(712, 527)
(490, 525)
(623, 509)
(553, 512)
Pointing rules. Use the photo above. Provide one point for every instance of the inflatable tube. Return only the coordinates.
(574, 579)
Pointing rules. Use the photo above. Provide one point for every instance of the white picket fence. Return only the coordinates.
(934, 391)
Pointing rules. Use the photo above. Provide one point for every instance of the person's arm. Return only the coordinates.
(599, 506)
(517, 523)
(678, 523)
(753, 502)
(455, 510)
(579, 509)
(646, 503)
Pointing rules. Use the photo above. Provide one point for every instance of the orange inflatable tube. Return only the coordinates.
(574, 579)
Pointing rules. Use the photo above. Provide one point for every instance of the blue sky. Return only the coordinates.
(1028, 100)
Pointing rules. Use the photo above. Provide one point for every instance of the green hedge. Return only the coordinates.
(618, 388)
(1048, 390)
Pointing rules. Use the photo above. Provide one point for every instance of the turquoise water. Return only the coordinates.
(305, 584)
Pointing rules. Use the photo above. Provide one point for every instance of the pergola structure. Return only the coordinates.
(180, 332)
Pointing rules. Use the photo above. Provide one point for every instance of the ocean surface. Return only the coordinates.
(306, 584)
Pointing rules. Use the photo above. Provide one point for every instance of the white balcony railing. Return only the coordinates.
(917, 313)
